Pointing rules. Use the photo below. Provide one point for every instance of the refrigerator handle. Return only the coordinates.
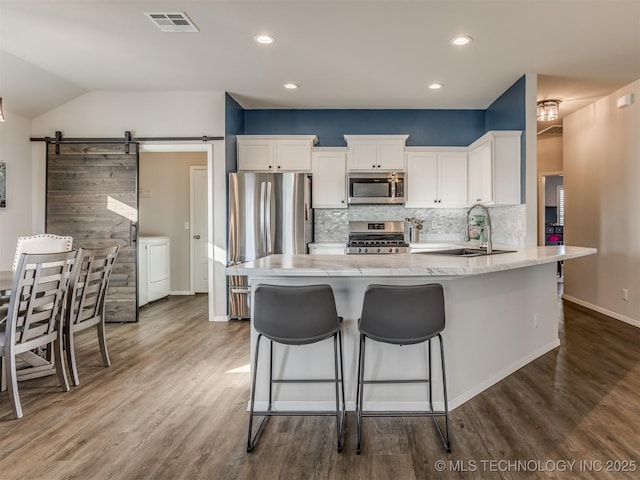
(262, 216)
(268, 219)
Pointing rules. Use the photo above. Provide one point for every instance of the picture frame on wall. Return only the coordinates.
(3, 185)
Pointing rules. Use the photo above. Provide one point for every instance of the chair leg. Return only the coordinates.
(430, 384)
(444, 435)
(337, 369)
(71, 355)
(102, 340)
(251, 440)
(12, 384)
(359, 395)
(59, 361)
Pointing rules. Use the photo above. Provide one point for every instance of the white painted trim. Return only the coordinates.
(502, 374)
(542, 176)
(182, 292)
(219, 318)
(604, 311)
(531, 160)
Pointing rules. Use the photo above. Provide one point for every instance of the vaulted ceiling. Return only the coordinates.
(342, 54)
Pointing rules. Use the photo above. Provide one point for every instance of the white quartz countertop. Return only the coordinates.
(406, 264)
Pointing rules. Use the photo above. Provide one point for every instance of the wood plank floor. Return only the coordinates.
(172, 406)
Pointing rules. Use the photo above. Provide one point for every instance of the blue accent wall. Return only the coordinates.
(233, 125)
(508, 112)
(425, 127)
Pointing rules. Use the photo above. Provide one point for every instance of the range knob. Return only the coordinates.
(377, 250)
(391, 250)
(366, 250)
(397, 250)
(359, 250)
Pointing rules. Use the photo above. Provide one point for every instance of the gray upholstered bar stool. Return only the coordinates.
(402, 315)
(296, 315)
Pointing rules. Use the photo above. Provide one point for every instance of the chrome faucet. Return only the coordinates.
(487, 225)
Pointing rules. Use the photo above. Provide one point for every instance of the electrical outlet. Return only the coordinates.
(186, 225)
(625, 294)
(535, 320)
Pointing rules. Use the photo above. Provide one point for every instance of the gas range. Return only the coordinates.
(377, 238)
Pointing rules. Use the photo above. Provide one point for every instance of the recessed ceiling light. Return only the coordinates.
(436, 86)
(461, 40)
(291, 86)
(264, 39)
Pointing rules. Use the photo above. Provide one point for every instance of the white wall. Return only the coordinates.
(15, 151)
(602, 203)
(145, 114)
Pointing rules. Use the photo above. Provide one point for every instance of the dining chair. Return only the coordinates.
(86, 300)
(41, 243)
(36, 313)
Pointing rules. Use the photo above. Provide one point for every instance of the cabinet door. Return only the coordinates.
(293, 155)
(391, 155)
(506, 165)
(452, 175)
(363, 155)
(481, 174)
(329, 187)
(256, 154)
(421, 179)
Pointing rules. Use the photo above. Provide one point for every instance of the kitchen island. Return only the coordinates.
(502, 313)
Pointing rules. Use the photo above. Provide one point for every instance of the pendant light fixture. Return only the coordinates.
(1, 111)
(548, 110)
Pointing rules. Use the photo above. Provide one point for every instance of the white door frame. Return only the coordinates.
(192, 250)
(216, 216)
(542, 193)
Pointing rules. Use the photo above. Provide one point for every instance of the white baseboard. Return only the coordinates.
(180, 292)
(220, 318)
(604, 311)
(505, 372)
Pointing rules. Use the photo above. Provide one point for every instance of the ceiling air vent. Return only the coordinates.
(552, 130)
(173, 22)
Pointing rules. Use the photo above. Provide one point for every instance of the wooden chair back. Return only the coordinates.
(89, 286)
(38, 299)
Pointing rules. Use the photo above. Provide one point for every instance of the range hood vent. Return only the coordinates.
(553, 129)
(172, 22)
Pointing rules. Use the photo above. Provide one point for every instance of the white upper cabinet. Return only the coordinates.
(376, 152)
(329, 167)
(481, 174)
(494, 168)
(271, 153)
(436, 178)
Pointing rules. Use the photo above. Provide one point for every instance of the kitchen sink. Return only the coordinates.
(466, 252)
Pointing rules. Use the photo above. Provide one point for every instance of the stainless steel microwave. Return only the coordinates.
(376, 188)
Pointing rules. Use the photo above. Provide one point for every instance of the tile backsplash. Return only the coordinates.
(440, 224)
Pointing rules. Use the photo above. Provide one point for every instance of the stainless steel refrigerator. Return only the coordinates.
(268, 213)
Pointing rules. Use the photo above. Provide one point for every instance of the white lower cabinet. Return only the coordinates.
(327, 248)
(154, 269)
(436, 178)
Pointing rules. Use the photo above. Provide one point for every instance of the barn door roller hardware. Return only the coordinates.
(127, 139)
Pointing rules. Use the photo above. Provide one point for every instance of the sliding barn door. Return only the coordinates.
(92, 195)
